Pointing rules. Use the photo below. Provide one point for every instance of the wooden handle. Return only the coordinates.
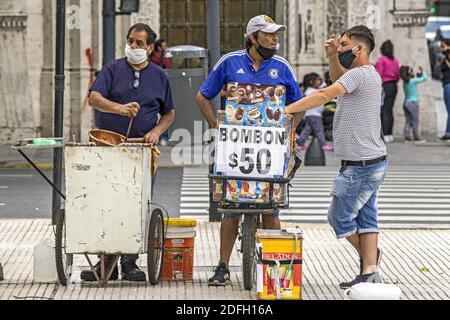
(129, 129)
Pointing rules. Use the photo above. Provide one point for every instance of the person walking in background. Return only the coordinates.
(157, 56)
(411, 105)
(445, 47)
(313, 118)
(389, 69)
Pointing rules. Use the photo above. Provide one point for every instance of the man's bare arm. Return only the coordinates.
(100, 103)
(164, 123)
(335, 67)
(207, 110)
(317, 99)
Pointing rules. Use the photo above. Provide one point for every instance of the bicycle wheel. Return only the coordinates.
(155, 246)
(64, 262)
(248, 250)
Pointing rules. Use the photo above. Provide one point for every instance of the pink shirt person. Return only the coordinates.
(388, 68)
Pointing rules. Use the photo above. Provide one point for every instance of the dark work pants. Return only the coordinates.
(390, 89)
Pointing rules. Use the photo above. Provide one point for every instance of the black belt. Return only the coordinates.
(363, 163)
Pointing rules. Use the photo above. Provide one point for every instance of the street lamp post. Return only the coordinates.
(213, 35)
(58, 120)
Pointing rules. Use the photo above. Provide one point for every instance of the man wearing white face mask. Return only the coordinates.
(132, 87)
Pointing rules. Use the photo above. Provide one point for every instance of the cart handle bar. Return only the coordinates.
(272, 180)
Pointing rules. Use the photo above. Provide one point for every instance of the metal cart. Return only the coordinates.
(108, 207)
(250, 212)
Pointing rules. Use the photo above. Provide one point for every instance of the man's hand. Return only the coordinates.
(129, 110)
(331, 46)
(152, 137)
(420, 69)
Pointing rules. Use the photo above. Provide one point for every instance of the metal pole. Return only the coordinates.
(58, 120)
(109, 36)
(109, 30)
(213, 35)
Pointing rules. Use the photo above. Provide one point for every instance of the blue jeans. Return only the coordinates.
(354, 205)
(447, 103)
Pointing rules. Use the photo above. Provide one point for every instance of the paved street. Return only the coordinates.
(411, 196)
(418, 261)
(25, 194)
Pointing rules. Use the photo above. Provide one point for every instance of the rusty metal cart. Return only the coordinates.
(108, 209)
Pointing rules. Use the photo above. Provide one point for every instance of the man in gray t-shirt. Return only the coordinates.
(353, 212)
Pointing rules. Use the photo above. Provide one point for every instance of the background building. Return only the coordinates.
(27, 49)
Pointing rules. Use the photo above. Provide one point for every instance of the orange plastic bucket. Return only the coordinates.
(178, 260)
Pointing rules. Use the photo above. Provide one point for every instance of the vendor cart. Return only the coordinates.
(253, 166)
(108, 209)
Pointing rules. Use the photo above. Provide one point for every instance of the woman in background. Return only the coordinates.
(389, 69)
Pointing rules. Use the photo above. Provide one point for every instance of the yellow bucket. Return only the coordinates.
(279, 271)
(180, 223)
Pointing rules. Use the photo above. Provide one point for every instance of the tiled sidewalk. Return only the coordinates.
(417, 260)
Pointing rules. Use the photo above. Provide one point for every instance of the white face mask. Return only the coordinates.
(135, 56)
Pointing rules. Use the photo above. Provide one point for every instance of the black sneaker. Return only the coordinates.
(446, 137)
(131, 272)
(88, 275)
(221, 276)
(366, 278)
(379, 254)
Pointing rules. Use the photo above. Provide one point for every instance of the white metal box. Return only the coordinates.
(108, 190)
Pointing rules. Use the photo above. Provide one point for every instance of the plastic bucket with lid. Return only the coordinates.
(178, 260)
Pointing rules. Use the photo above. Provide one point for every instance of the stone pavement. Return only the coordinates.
(416, 260)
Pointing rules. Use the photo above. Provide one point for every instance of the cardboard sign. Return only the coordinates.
(256, 152)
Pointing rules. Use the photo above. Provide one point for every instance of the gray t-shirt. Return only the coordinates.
(357, 121)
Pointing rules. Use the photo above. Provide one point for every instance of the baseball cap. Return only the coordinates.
(263, 23)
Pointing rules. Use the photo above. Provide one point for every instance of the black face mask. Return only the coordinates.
(346, 58)
(264, 52)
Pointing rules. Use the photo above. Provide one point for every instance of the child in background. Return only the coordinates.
(313, 118)
(411, 105)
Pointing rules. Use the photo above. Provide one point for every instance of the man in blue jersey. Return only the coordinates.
(255, 64)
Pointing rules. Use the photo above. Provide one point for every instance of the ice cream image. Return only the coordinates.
(254, 116)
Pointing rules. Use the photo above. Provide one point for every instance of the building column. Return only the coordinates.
(46, 83)
(17, 116)
(148, 13)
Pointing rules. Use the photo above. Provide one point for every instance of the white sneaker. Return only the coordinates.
(388, 139)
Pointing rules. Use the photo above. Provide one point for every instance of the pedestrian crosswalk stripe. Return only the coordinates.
(410, 197)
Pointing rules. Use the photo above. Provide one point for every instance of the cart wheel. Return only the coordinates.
(155, 246)
(248, 251)
(64, 262)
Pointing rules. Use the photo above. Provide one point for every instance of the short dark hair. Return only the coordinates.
(151, 35)
(248, 43)
(405, 73)
(158, 43)
(446, 41)
(387, 49)
(309, 79)
(363, 34)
